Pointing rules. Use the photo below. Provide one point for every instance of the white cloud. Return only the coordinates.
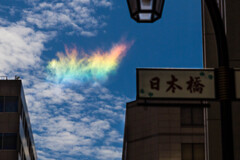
(104, 3)
(101, 153)
(20, 47)
(78, 14)
(67, 130)
(114, 137)
(3, 22)
(109, 153)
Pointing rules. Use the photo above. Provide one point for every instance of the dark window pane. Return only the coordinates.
(198, 150)
(197, 116)
(9, 141)
(0, 141)
(186, 118)
(1, 103)
(187, 152)
(11, 104)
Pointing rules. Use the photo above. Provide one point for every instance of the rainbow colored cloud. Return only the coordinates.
(83, 67)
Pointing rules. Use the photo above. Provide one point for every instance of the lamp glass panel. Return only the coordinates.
(159, 4)
(146, 4)
(145, 16)
(133, 5)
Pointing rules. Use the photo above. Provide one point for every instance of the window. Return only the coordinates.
(8, 104)
(9, 141)
(1, 103)
(11, 104)
(191, 116)
(192, 151)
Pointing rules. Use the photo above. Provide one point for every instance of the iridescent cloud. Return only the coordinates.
(86, 67)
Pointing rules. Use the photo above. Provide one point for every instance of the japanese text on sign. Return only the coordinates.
(164, 83)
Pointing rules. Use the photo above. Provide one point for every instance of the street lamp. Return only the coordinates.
(145, 10)
(150, 10)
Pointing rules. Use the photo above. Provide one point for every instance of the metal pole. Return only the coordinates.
(224, 79)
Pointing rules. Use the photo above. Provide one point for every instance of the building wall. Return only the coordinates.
(9, 120)
(230, 11)
(8, 155)
(155, 133)
(15, 122)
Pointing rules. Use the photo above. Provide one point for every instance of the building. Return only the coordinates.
(164, 130)
(230, 12)
(16, 138)
(156, 130)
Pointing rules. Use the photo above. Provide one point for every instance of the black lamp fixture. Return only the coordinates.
(145, 10)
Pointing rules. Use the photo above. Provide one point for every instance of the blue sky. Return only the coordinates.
(78, 120)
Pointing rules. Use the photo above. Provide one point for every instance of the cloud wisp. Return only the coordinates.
(84, 67)
(79, 15)
(21, 47)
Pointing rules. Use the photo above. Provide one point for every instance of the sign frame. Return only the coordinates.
(176, 69)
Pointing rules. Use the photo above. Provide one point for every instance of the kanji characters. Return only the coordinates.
(154, 83)
(195, 85)
(172, 84)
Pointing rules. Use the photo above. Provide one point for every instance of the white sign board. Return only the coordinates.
(176, 83)
(237, 83)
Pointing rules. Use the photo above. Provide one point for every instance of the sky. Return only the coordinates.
(77, 60)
